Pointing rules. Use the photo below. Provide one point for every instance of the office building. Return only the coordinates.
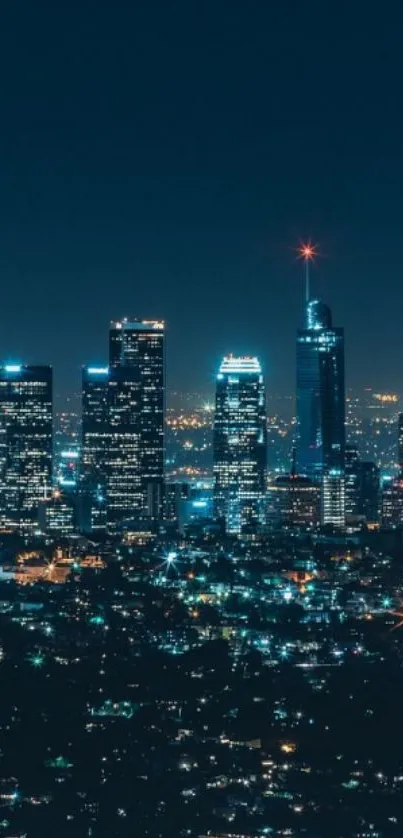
(294, 501)
(400, 443)
(26, 413)
(57, 514)
(95, 440)
(240, 445)
(136, 404)
(176, 493)
(392, 502)
(125, 497)
(352, 480)
(333, 499)
(68, 464)
(321, 408)
(369, 491)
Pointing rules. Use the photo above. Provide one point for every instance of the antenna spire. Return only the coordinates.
(307, 252)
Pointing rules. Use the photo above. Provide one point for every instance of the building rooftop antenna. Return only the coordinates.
(307, 252)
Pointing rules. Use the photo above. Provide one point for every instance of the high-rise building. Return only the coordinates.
(123, 428)
(136, 404)
(240, 444)
(352, 479)
(392, 502)
(321, 408)
(369, 491)
(26, 419)
(400, 442)
(95, 440)
(57, 514)
(125, 495)
(67, 469)
(176, 493)
(294, 501)
(333, 499)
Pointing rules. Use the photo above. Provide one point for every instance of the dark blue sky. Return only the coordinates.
(162, 159)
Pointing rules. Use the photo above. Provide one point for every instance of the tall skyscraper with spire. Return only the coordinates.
(320, 407)
(240, 445)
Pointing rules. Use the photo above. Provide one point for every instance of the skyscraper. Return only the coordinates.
(352, 479)
(321, 408)
(240, 444)
(392, 502)
(136, 405)
(125, 497)
(26, 414)
(294, 501)
(400, 443)
(95, 440)
(391, 488)
(369, 494)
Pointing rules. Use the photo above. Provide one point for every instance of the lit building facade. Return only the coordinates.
(95, 440)
(392, 502)
(352, 479)
(320, 408)
(362, 487)
(26, 420)
(57, 514)
(333, 499)
(400, 442)
(369, 491)
(294, 501)
(240, 445)
(68, 462)
(176, 493)
(125, 498)
(137, 407)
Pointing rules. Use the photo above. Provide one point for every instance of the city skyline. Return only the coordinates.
(201, 419)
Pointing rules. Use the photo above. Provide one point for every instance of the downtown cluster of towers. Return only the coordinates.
(317, 481)
(121, 473)
(121, 469)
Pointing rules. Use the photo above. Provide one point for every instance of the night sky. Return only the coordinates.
(164, 158)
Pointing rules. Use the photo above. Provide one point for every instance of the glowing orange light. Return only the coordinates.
(386, 397)
(288, 747)
(307, 251)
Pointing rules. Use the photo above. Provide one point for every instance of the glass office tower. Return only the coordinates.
(95, 440)
(369, 498)
(124, 485)
(26, 421)
(137, 403)
(240, 445)
(321, 408)
(400, 443)
(352, 480)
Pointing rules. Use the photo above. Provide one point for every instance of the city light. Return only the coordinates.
(98, 370)
(308, 251)
(13, 367)
(37, 660)
(240, 364)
